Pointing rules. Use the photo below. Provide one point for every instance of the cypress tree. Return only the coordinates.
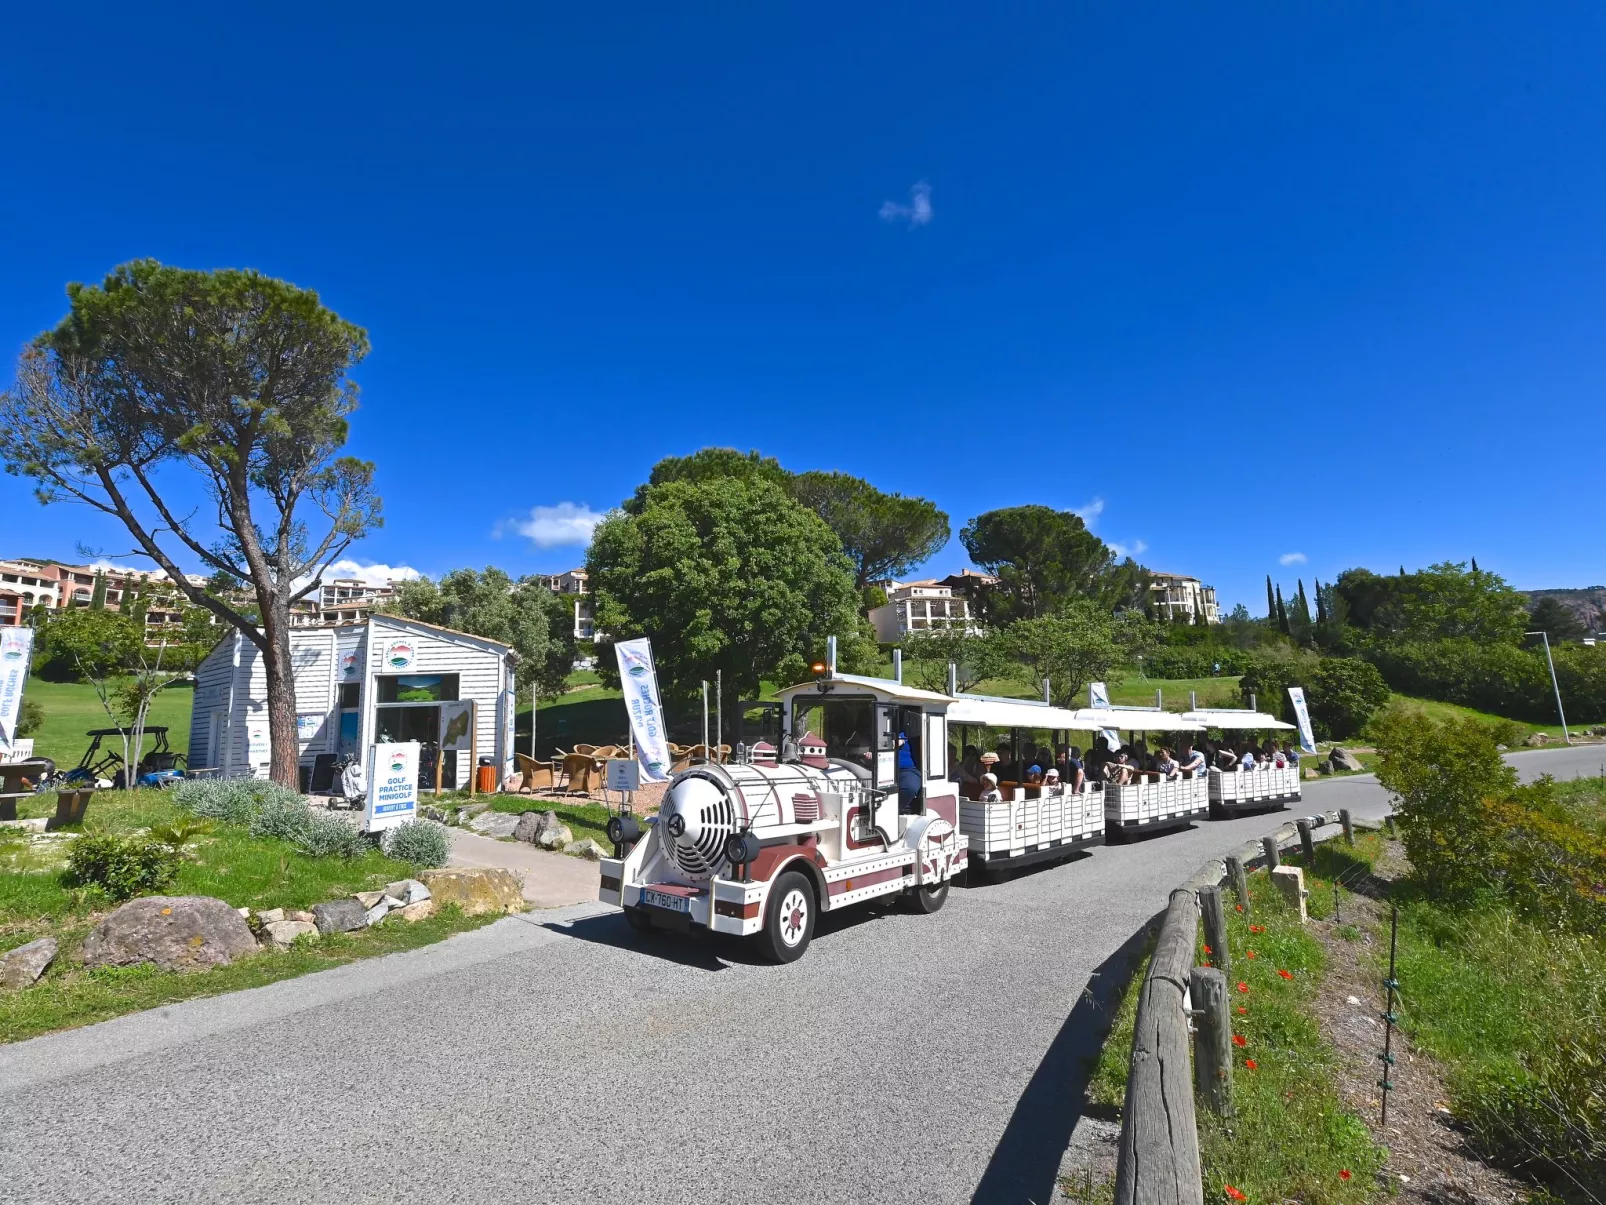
(1271, 603)
(1282, 613)
(97, 599)
(1474, 564)
(1321, 608)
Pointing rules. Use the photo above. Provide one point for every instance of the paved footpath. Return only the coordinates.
(559, 1057)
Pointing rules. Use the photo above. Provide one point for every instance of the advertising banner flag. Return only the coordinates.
(640, 682)
(1307, 738)
(16, 644)
(392, 786)
(1098, 697)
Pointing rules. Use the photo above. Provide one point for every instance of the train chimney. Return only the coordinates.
(953, 678)
(830, 655)
(897, 666)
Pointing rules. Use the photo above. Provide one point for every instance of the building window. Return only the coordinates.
(416, 688)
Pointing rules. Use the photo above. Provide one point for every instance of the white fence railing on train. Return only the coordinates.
(1246, 786)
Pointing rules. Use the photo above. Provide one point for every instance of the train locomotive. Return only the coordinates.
(854, 805)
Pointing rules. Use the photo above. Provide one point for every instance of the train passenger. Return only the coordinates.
(1119, 772)
(989, 789)
(1071, 769)
(1166, 766)
(909, 783)
(1193, 761)
(1291, 754)
(970, 772)
(1051, 782)
(1246, 756)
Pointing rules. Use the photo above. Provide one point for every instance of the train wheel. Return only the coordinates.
(789, 918)
(929, 899)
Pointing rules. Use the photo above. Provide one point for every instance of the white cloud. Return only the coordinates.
(1089, 512)
(372, 574)
(1136, 548)
(916, 213)
(567, 523)
(1291, 558)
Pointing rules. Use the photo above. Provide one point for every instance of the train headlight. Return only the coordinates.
(741, 848)
(624, 830)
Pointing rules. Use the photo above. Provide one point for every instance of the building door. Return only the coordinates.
(421, 722)
(215, 735)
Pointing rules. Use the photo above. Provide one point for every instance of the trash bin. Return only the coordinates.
(306, 780)
(487, 776)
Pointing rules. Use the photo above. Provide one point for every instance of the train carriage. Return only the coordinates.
(1242, 792)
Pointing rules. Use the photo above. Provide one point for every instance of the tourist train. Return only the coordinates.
(861, 799)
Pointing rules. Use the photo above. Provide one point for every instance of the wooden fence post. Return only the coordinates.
(1240, 882)
(1158, 1162)
(1273, 858)
(1306, 843)
(1348, 822)
(1215, 928)
(1212, 1046)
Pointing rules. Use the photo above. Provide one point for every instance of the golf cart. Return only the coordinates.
(159, 768)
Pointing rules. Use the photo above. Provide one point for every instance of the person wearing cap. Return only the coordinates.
(989, 789)
(1051, 781)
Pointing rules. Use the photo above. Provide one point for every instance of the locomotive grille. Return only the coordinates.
(699, 848)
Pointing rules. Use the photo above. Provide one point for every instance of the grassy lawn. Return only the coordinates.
(72, 708)
(584, 819)
(227, 863)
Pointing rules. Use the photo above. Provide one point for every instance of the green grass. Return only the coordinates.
(227, 863)
(72, 708)
(66, 998)
(1290, 1137)
(584, 819)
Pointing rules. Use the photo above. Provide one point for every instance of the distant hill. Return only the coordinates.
(1588, 604)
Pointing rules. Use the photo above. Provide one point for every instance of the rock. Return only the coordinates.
(470, 810)
(1352, 999)
(476, 889)
(36, 824)
(587, 849)
(494, 824)
(176, 932)
(378, 912)
(23, 966)
(422, 910)
(1311, 774)
(554, 835)
(1598, 730)
(530, 825)
(435, 814)
(245, 913)
(339, 916)
(281, 933)
(1536, 740)
(407, 891)
(1343, 760)
(271, 916)
(298, 914)
(368, 898)
(1290, 880)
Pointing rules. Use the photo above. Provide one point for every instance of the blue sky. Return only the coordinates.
(1243, 283)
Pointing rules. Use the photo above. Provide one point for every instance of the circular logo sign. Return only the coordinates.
(638, 671)
(397, 765)
(400, 654)
(348, 665)
(12, 654)
(676, 826)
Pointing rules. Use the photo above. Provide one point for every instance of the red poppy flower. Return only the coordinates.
(1257, 928)
(1208, 950)
(1238, 1039)
(1344, 1174)
(1284, 974)
(1242, 986)
(1235, 1194)
(1242, 1010)
(1250, 953)
(1250, 1063)
(1240, 907)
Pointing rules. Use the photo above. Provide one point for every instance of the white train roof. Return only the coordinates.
(1009, 713)
(882, 687)
(1134, 719)
(1231, 717)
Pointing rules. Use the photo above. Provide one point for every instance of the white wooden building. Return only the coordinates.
(379, 680)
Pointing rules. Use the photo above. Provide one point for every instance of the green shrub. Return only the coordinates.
(233, 800)
(31, 718)
(1343, 693)
(122, 867)
(283, 816)
(1501, 678)
(421, 842)
(325, 835)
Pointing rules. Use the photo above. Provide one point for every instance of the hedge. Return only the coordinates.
(1498, 678)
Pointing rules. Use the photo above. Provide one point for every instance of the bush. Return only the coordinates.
(328, 836)
(283, 816)
(1343, 693)
(122, 867)
(232, 800)
(31, 718)
(1500, 678)
(421, 842)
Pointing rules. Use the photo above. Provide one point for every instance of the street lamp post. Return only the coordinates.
(1550, 661)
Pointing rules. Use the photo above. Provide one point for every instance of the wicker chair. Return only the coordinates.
(537, 774)
(579, 769)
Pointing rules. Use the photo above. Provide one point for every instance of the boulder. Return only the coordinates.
(494, 824)
(470, 810)
(368, 898)
(1343, 760)
(530, 825)
(270, 915)
(176, 932)
(1311, 774)
(298, 914)
(587, 849)
(339, 916)
(1290, 880)
(555, 835)
(281, 933)
(476, 889)
(407, 891)
(422, 910)
(23, 966)
(379, 911)
(1537, 740)
(1598, 730)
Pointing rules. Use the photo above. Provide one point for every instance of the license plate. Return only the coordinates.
(663, 899)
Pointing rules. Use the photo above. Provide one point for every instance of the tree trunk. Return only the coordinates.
(284, 764)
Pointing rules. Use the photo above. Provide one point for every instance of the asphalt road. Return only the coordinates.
(560, 1057)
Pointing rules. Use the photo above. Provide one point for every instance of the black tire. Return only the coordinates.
(929, 899)
(638, 920)
(788, 918)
